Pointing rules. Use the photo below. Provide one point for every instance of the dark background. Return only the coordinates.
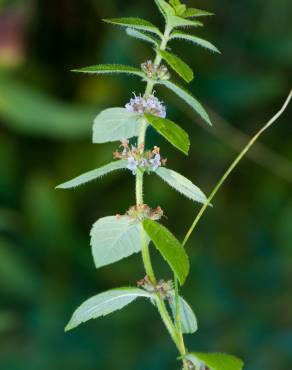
(240, 282)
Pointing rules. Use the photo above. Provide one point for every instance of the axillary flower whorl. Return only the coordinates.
(155, 72)
(146, 104)
(143, 211)
(137, 158)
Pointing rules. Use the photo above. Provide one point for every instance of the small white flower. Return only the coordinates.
(151, 105)
(155, 162)
(144, 163)
(132, 165)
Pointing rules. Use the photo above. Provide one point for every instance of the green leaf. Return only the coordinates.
(196, 40)
(104, 304)
(115, 124)
(187, 316)
(215, 361)
(177, 22)
(178, 7)
(178, 65)
(136, 23)
(170, 248)
(192, 12)
(92, 175)
(170, 131)
(142, 36)
(110, 68)
(114, 238)
(181, 184)
(165, 8)
(175, 3)
(188, 98)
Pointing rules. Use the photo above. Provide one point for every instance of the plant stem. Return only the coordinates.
(174, 330)
(178, 323)
(234, 165)
(166, 319)
(139, 176)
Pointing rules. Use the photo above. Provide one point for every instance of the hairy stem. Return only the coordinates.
(174, 330)
(178, 323)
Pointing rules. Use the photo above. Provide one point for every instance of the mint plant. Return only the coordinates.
(116, 237)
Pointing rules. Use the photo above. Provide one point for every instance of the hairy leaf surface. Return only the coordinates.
(195, 40)
(215, 361)
(110, 68)
(188, 318)
(192, 13)
(181, 184)
(178, 22)
(136, 23)
(178, 65)
(93, 175)
(114, 238)
(142, 36)
(170, 131)
(188, 98)
(115, 124)
(169, 247)
(164, 8)
(104, 304)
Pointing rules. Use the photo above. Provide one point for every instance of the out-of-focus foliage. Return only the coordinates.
(241, 255)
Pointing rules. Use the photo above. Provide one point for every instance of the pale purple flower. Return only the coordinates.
(144, 163)
(132, 165)
(151, 105)
(155, 162)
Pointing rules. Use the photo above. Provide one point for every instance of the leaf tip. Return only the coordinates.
(61, 186)
(68, 327)
(208, 119)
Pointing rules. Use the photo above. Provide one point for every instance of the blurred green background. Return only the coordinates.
(240, 283)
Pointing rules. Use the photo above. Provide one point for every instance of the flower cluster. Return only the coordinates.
(153, 71)
(191, 366)
(139, 159)
(146, 104)
(143, 211)
(164, 288)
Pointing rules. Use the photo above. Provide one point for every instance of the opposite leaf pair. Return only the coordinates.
(116, 237)
(116, 299)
